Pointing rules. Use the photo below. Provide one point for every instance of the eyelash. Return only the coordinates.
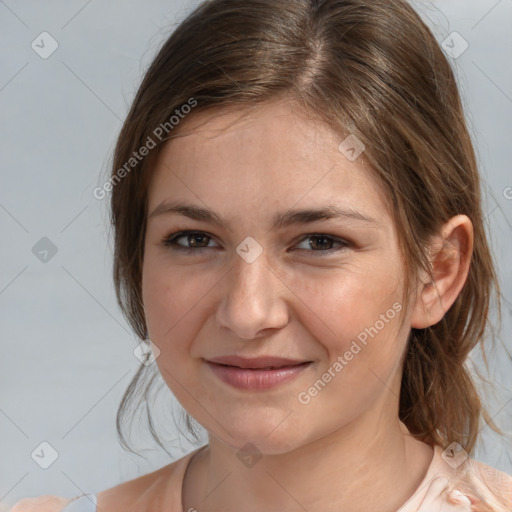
(171, 242)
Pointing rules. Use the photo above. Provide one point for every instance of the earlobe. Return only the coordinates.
(450, 258)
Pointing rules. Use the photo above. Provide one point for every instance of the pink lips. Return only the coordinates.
(256, 373)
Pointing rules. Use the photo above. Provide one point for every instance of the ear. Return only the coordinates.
(450, 256)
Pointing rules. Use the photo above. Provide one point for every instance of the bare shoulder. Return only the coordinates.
(124, 496)
(46, 503)
(119, 498)
(158, 490)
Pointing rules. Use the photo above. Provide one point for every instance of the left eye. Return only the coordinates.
(199, 241)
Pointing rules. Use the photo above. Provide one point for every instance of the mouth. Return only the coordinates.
(256, 373)
(256, 363)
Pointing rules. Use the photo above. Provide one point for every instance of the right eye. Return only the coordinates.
(196, 239)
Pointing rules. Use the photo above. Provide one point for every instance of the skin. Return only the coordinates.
(335, 452)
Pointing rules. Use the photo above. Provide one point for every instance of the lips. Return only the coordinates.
(256, 373)
(257, 363)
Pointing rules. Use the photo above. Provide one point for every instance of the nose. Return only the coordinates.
(252, 302)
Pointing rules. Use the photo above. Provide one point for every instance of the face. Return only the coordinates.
(275, 333)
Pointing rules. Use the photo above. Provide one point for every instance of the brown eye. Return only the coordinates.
(321, 243)
(195, 239)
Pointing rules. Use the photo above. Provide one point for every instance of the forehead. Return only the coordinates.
(267, 156)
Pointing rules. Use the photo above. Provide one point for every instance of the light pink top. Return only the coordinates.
(453, 483)
(460, 484)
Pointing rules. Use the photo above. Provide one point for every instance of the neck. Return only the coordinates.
(371, 464)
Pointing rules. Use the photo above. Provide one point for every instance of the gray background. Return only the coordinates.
(66, 352)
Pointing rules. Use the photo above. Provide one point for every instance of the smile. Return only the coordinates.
(256, 374)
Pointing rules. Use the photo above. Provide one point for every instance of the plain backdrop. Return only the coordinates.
(67, 354)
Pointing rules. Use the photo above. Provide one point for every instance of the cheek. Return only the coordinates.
(356, 318)
(171, 301)
(363, 355)
(339, 306)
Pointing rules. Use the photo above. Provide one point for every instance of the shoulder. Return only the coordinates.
(470, 483)
(489, 485)
(46, 503)
(158, 490)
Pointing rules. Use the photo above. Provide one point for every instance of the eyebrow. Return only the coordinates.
(280, 220)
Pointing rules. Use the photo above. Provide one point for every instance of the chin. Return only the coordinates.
(272, 436)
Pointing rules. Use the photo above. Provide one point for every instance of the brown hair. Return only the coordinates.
(368, 67)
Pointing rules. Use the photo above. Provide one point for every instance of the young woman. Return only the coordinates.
(299, 232)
